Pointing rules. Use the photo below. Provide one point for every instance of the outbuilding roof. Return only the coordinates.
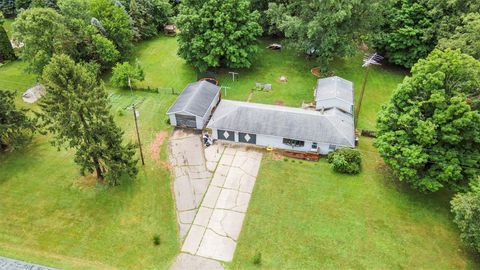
(195, 99)
(332, 126)
(334, 87)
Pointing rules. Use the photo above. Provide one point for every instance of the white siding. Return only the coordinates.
(173, 120)
(277, 142)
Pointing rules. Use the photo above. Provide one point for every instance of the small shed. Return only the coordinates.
(334, 92)
(194, 105)
(170, 29)
(34, 93)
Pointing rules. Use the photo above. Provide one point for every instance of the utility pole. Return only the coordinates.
(233, 75)
(372, 59)
(136, 123)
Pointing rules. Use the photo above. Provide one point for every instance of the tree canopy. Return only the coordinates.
(429, 132)
(44, 32)
(6, 50)
(332, 28)
(75, 110)
(116, 21)
(466, 210)
(125, 73)
(16, 127)
(217, 33)
(465, 37)
(413, 28)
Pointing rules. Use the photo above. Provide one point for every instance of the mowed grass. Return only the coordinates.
(270, 65)
(8, 26)
(302, 215)
(52, 215)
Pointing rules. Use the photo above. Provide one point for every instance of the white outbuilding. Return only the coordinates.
(194, 105)
(282, 127)
(334, 92)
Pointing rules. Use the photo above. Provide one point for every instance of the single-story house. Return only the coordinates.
(334, 92)
(194, 105)
(282, 127)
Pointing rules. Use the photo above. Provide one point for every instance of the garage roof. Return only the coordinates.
(332, 126)
(334, 87)
(195, 99)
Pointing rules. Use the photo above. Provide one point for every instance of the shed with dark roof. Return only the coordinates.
(194, 105)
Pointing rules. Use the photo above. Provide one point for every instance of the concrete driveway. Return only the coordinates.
(212, 190)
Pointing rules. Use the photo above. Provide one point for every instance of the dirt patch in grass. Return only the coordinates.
(87, 181)
(157, 144)
(279, 102)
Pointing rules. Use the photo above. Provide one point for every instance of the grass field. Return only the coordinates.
(304, 216)
(8, 26)
(52, 215)
(271, 65)
(301, 215)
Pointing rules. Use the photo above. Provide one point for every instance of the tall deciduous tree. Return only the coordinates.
(466, 210)
(6, 50)
(77, 113)
(325, 29)
(429, 132)
(16, 128)
(125, 73)
(466, 36)
(408, 33)
(413, 28)
(217, 33)
(148, 17)
(116, 22)
(44, 33)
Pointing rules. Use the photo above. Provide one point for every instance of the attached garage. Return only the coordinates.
(194, 105)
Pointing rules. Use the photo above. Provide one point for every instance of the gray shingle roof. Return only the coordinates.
(334, 87)
(195, 99)
(332, 126)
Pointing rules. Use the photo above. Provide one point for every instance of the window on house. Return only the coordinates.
(294, 143)
(314, 145)
(332, 147)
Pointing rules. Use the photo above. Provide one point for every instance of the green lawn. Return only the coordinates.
(8, 26)
(301, 215)
(51, 215)
(304, 216)
(271, 65)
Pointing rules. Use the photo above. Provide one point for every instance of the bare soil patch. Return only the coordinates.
(157, 144)
(279, 102)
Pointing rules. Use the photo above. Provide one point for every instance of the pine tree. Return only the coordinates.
(16, 128)
(76, 111)
(6, 50)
